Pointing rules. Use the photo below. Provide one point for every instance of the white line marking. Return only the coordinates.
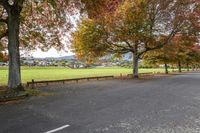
(57, 129)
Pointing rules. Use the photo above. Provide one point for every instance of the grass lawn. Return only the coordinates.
(51, 73)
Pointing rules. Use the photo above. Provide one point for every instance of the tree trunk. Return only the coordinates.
(14, 79)
(135, 66)
(172, 68)
(193, 68)
(188, 68)
(179, 66)
(166, 68)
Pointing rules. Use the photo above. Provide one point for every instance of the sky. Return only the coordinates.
(51, 53)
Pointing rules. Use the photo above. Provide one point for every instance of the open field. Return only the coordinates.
(52, 73)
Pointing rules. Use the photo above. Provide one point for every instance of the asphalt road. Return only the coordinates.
(163, 105)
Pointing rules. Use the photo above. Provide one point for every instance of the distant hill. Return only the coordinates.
(125, 57)
(70, 57)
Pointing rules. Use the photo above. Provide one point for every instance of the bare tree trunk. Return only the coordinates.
(166, 68)
(179, 66)
(135, 66)
(14, 79)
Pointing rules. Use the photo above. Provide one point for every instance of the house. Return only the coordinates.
(3, 63)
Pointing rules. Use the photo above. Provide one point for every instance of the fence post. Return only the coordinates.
(120, 76)
(32, 84)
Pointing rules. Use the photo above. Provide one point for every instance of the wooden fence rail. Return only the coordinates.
(33, 83)
(140, 74)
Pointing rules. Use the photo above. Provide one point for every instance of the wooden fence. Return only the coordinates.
(33, 83)
(47, 82)
(140, 74)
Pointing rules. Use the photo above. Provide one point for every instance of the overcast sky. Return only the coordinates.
(51, 53)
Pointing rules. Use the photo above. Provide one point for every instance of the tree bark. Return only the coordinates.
(179, 66)
(166, 68)
(135, 66)
(14, 78)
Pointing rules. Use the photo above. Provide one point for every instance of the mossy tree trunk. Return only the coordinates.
(14, 78)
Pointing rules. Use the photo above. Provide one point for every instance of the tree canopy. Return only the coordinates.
(136, 26)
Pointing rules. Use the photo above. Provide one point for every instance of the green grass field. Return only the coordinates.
(52, 73)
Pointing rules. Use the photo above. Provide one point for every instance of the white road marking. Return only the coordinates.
(57, 129)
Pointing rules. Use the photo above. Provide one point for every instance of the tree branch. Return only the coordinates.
(119, 51)
(131, 47)
(169, 38)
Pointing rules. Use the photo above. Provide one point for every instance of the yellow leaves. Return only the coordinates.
(3, 57)
(87, 40)
(131, 11)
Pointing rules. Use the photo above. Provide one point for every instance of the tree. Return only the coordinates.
(181, 46)
(29, 24)
(180, 51)
(193, 57)
(13, 9)
(13, 13)
(136, 26)
(161, 56)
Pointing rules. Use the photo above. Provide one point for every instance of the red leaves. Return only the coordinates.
(99, 8)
